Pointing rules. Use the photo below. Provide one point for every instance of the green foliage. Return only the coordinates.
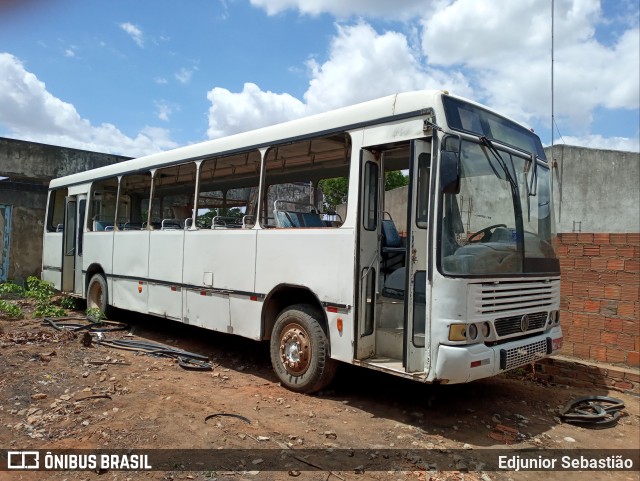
(70, 303)
(205, 220)
(10, 310)
(395, 179)
(11, 288)
(95, 315)
(49, 310)
(334, 191)
(38, 289)
(42, 292)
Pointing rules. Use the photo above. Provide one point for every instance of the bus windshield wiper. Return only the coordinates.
(486, 142)
(508, 173)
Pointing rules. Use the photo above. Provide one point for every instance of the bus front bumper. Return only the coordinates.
(458, 364)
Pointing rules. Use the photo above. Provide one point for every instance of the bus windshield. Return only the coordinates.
(465, 117)
(501, 221)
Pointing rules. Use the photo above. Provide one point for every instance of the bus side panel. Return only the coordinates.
(165, 264)
(207, 309)
(97, 249)
(52, 259)
(245, 316)
(321, 260)
(220, 258)
(130, 266)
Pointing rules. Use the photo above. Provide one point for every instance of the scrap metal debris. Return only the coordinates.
(596, 412)
(218, 415)
(95, 334)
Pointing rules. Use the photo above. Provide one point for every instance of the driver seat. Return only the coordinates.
(503, 235)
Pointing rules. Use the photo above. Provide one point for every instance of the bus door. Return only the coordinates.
(368, 255)
(417, 284)
(72, 243)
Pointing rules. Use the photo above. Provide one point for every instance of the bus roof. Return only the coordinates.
(351, 117)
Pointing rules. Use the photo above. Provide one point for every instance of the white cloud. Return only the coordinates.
(497, 52)
(164, 110)
(184, 75)
(134, 32)
(250, 109)
(29, 112)
(597, 141)
(506, 48)
(362, 65)
(405, 9)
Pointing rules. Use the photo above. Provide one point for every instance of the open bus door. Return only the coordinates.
(417, 285)
(368, 258)
(74, 215)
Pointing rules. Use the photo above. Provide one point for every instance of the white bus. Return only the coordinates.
(231, 235)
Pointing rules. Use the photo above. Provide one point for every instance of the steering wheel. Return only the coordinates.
(486, 230)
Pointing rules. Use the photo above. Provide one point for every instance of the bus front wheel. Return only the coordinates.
(300, 350)
(97, 293)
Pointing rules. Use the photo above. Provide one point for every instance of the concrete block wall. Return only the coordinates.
(600, 307)
(588, 375)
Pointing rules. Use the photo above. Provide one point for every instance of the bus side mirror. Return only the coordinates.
(449, 172)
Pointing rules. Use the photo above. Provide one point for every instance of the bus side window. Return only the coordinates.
(229, 191)
(307, 183)
(136, 188)
(55, 215)
(102, 206)
(424, 180)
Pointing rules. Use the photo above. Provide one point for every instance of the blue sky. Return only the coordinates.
(135, 77)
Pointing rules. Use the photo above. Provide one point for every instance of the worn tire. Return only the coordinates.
(97, 293)
(300, 350)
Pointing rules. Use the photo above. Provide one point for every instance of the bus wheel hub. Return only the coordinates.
(295, 349)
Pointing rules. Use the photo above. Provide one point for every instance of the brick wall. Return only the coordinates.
(600, 307)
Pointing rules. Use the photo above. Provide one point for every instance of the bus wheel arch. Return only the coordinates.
(286, 295)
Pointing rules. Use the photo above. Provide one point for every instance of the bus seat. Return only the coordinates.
(392, 247)
(132, 226)
(284, 219)
(171, 224)
(312, 219)
(394, 284)
(101, 225)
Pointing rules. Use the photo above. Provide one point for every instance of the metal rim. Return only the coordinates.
(295, 349)
(96, 295)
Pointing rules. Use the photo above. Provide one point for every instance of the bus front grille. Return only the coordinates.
(506, 326)
(519, 356)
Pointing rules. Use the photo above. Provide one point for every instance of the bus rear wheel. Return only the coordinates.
(300, 350)
(97, 293)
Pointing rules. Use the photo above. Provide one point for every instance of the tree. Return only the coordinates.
(335, 190)
(395, 179)
(204, 220)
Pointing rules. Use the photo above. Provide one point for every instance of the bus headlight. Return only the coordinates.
(472, 332)
(486, 329)
(552, 317)
(458, 332)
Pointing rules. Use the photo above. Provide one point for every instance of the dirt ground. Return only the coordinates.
(154, 403)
